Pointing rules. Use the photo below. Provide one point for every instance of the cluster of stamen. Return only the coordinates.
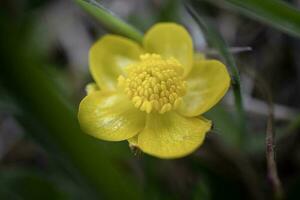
(154, 83)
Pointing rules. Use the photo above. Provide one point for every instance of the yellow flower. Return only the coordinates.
(153, 95)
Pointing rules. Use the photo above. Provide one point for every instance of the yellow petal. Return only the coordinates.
(206, 85)
(91, 87)
(199, 56)
(171, 135)
(108, 57)
(109, 116)
(170, 40)
(133, 142)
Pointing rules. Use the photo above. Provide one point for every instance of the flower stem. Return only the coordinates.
(110, 20)
(236, 86)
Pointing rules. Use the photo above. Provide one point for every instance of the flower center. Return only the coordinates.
(154, 83)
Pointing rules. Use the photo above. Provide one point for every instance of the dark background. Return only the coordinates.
(43, 72)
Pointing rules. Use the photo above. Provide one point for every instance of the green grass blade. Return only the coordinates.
(109, 20)
(22, 75)
(216, 40)
(276, 13)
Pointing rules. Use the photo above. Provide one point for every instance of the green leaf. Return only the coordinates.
(276, 13)
(109, 20)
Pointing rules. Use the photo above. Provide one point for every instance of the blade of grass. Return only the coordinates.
(110, 20)
(216, 40)
(22, 75)
(276, 13)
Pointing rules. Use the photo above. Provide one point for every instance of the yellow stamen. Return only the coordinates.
(154, 83)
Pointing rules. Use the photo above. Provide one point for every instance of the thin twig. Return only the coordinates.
(270, 155)
(233, 50)
(270, 151)
(270, 140)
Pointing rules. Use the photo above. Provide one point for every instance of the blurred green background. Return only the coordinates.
(44, 69)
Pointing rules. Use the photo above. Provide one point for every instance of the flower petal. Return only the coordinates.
(133, 141)
(170, 40)
(171, 135)
(206, 85)
(110, 116)
(108, 56)
(91, 87)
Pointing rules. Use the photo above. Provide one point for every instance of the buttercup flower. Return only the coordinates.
(152, 95)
